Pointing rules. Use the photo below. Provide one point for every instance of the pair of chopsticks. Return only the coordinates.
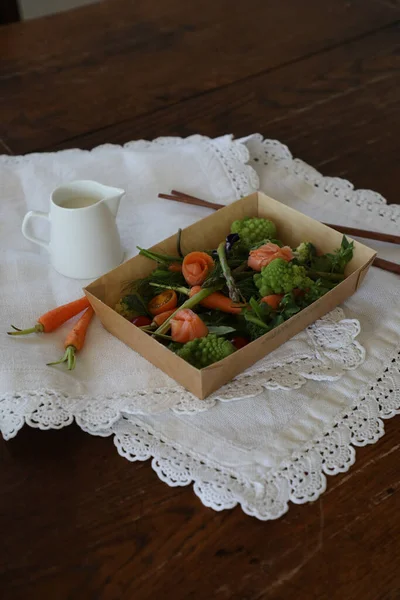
(385, 265)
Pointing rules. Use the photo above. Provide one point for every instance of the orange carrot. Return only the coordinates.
(273, 300)
(164, 301)
(162, 317)
(75, 339)
(265, 254)
(187, 326)
(175, 267)
(196, 266)
(54, 318)
(217, 301)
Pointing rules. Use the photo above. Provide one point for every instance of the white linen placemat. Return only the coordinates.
(261, 451)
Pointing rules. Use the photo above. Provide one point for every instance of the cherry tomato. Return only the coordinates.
(165, 301)
(141, 321)
(239, 342)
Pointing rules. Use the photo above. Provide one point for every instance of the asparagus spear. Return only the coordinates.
(234, 293)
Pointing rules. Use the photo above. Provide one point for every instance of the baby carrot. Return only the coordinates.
(217, 301)
(75, 339)
(54, 318)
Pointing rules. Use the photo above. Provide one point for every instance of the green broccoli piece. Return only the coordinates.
(202, 352)
(254, 331)
(281, 277)
(305, 252)
(253, 230)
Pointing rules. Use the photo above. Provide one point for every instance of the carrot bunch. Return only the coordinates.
(51, 320)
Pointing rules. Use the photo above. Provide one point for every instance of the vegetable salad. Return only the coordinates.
(205, 305)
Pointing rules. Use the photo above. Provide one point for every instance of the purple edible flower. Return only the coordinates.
(231, 239)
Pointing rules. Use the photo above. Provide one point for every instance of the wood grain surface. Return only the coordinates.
(77, 520)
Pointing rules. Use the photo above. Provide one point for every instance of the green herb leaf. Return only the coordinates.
(220, 329)
(215, 277)
(247, 286)
(277, 320)
(178, 242)
(261, 310)
(257, 318)
(132, 305)
(288, 306)
(337, 261)
(263, 242)
(162, 259)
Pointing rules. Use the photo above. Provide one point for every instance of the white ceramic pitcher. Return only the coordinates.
(84, 239)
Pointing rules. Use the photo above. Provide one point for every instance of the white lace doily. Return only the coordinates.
(299, 479)
(275, 444)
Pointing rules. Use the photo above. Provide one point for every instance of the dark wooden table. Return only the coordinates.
(77, 520)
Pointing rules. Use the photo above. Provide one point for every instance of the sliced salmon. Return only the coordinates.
(196, 266)
(265, 254)
(187, 326)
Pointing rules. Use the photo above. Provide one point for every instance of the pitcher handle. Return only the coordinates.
(25, 227)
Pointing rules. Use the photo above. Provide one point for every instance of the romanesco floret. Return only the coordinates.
(281, 277)
(252, 230)
(305, 252)
(202, 352)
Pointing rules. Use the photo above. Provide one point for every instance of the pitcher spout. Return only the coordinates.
(113, 198)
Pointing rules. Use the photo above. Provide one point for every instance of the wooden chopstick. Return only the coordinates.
(363, 233)
(191, 200)
(353, 231)
(385, 265)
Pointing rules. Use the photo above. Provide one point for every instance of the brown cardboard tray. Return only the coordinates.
(293, 227)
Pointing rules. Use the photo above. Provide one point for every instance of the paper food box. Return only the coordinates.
(293, 227)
